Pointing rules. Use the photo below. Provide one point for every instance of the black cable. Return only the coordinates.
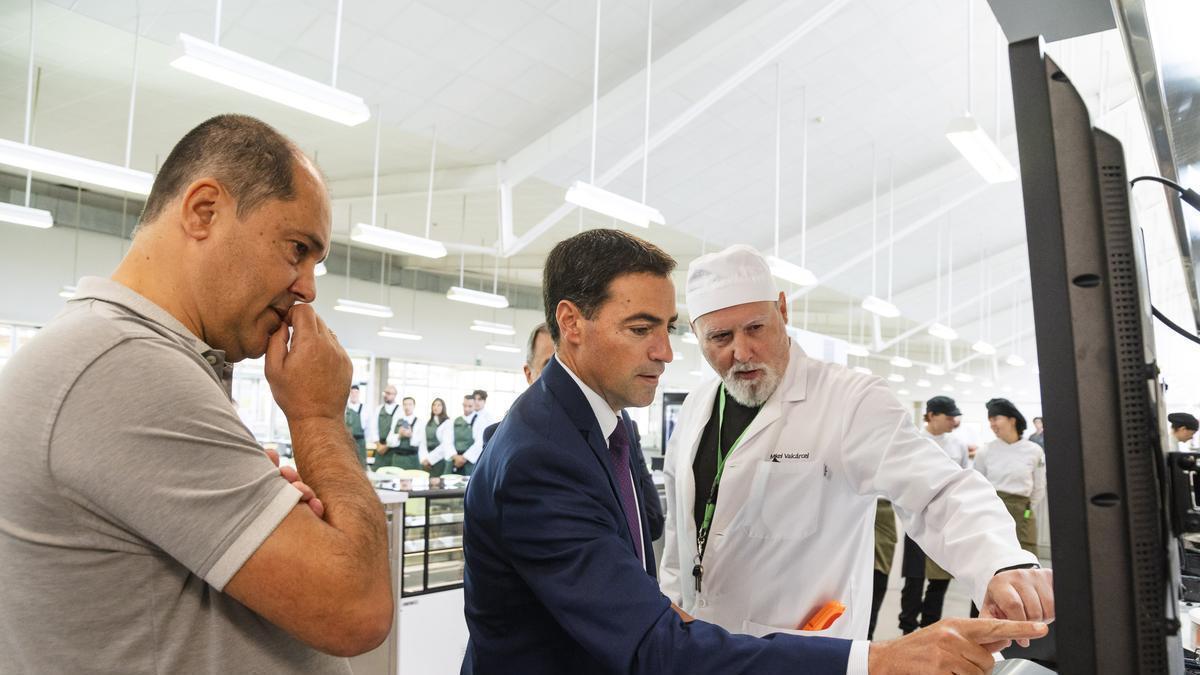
(1171, 324)
(1186, 194)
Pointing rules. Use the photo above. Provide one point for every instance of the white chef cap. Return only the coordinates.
(734, 276)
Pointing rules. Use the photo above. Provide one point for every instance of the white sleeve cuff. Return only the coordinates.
(857, 663)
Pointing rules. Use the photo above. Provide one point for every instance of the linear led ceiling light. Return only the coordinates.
(880, 307)
(24, 215)
(936, 371)
(980, 150)
(67, 292)
(971, 140)
(963, 377)
(791, 272)
(592, 197)
(941, 332)
(787, 271)
(74, 168)
(363, 308)
(500, 347)
(923, 383)
(492, 327)
(398, 242)
(396, 334)
(901, 362)
(862, 369)
(895, 377)
(854, 349)
(227, 67)
(474, 297)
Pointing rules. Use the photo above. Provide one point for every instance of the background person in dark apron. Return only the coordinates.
(435, 447)
(354, 424)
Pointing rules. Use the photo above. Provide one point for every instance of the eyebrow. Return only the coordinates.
(714, 331)
(315, 243)
(646, 316)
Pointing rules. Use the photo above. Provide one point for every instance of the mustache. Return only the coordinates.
(746, 367)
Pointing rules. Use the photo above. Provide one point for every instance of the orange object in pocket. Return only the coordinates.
(825, 616)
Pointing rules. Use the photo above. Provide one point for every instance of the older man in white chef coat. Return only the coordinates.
(773, 473)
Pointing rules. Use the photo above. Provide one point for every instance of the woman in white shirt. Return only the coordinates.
(437, 440)
(1016, 467)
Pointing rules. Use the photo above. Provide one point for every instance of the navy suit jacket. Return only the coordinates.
(553, 583)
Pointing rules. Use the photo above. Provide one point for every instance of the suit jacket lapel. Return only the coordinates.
(580, 412)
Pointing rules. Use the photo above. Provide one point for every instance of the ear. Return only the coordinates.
(783, 306)
(570, 321)
(204, 204)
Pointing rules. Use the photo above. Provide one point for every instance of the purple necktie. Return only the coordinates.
(618, 444)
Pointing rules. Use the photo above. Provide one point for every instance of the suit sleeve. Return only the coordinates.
(562, 537)
(953, 513)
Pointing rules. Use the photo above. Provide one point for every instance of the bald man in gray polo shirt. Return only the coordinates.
(142, 529)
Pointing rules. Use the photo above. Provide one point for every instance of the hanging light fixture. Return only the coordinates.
(938, 329)
(895, 377)
(592, 197)
(363, 308)
(397, 334)
(901, 362)
(492, 327)
(461, 293)
(854, 349)
(936, 371)
(1014, 360)
(963, 377)
(971, 140)
(391, 240)
(787, 271)
(24, 215)
(501, 347)
(232, 69)
(353, 306)
(872, 303)
(923, 383)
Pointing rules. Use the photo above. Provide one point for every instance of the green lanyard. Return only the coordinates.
(710, 507)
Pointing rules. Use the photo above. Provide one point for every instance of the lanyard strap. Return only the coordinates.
(710, 506)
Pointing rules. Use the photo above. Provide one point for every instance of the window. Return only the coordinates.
(426, 381)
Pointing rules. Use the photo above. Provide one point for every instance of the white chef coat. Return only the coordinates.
(415, 423)
(794, 526)
(445, 447)
(954, 447)
(371, 426)
(1017, 468)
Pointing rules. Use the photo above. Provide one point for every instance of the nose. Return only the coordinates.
(743, 349)
(305, 286)
(660, 350)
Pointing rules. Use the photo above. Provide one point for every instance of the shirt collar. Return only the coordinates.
(114, 293)
(604, 414)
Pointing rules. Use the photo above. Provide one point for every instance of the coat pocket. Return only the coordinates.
(785, 500)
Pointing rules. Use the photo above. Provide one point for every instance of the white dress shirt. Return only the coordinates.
(414, 423)
(1017, 468)
(371, 426)
(608, 424)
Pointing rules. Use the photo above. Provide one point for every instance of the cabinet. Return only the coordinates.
(432, 558)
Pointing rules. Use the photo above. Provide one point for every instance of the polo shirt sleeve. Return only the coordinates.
(147, 440)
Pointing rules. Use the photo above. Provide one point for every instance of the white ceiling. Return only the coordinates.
(511, 82)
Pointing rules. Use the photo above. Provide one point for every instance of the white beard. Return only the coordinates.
(752, 394)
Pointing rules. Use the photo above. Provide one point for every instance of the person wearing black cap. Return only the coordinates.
(1183, 426)
(921, 606)
(1016, 467)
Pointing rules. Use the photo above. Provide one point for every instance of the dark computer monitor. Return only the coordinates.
(1115, 559)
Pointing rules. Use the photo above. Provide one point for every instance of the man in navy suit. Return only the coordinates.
(559, 570)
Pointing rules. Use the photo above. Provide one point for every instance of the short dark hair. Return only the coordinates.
(479, 393)
(409, 398)
(533, 336)
(252, 160)
(580, 269)
(1037, 419)
(469, 396)
(354, 387)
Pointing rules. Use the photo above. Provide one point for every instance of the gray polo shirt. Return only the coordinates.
(130, 494)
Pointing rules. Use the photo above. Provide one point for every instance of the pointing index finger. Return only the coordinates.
(991, 630)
